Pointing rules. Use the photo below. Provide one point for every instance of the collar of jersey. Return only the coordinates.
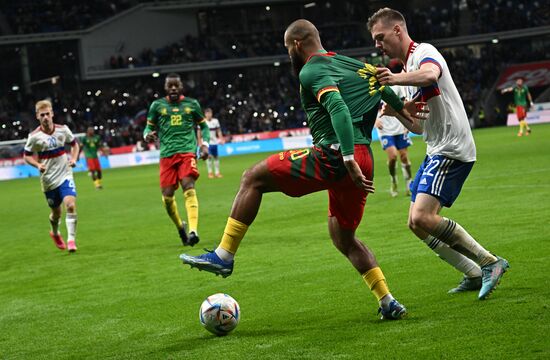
(180, 99)
(410, 50)
(41, 129)
(321, 52)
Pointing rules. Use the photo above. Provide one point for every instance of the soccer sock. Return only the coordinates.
(391, 168)
(54, 224)
(457, 238)
(521, 126)
(453, 257)
(99, 175)
(70, 221)
(231, 239)
(217, 166)
(209, 165)
(192, 206)
(377, 284)
(526, 126)
(406, 170)
(172, 210)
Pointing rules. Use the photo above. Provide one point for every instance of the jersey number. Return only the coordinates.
(431, 165)
(175, 120)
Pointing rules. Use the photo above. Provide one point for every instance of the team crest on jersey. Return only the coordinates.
(163, 111)
(188, 110)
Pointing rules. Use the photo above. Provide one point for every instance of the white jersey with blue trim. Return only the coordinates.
(213, 125)
(51, 152)
(447, 130)
(391, 126)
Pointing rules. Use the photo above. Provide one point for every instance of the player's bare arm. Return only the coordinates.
(75, 151)
(411, 116)
(29, 159)
(426, 75)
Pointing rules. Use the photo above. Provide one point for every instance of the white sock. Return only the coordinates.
(70, 221)
(209, 165)
(385, 301)
(453, 257)
(217, 166)
(224, 254)
(457, 238)
(54, 224)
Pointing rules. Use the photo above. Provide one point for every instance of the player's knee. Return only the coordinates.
(70, 206)
(167, 192)
(250, 178)
(392, 159)
(404, 159)
(420, 220)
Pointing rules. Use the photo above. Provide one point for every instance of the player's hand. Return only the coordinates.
(152, 136)
(204, 152)
(41, 168)
(358, 178)
(417, 109)
(378, 124)
(385, 76)
(72, 163)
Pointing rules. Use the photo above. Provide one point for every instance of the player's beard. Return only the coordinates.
(297, 64)
(173, 97)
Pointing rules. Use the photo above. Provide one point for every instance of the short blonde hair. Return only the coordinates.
(42, 104)
(385, 15)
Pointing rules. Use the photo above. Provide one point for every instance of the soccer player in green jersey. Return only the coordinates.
(340, 96)
(522, 100)
(172, 120)
(91, 144)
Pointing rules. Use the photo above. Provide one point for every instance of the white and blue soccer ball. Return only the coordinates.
(219, 314)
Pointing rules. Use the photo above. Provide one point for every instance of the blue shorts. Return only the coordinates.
(441, 177)
(55, 197)
(213, 150)
(401, 141)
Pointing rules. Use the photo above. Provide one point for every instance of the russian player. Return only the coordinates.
(91, 145)
(56, 175)
(394, 138)
(522, 99)
(172, 120)
(451, 152)
(216, 137)
(340, 96)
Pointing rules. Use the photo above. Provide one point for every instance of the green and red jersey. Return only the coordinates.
(91, 145)
(326, 73)
(175, 125)
(520, 95)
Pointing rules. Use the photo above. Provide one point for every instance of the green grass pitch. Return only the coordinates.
(125, 294)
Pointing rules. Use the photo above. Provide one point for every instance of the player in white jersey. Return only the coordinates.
(450, 156)
(394, 138)
(216, 137)
(56, 175)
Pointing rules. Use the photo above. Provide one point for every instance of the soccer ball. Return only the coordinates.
(219, 314)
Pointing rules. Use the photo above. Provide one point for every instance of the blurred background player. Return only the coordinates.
(451, 152)
(91, 145)
(522, 100)
(394, 138)
(172, 120)
(342, 156)
(216, 137)
(56, 175)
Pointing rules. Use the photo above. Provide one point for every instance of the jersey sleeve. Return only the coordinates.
(152, 116)
(316, 79)
(427, 53)
(69, 136)
(29, 146)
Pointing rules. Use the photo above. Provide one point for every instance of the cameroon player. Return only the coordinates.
(521, 96)
(172, 120)
(91, 144)
(340, 96)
